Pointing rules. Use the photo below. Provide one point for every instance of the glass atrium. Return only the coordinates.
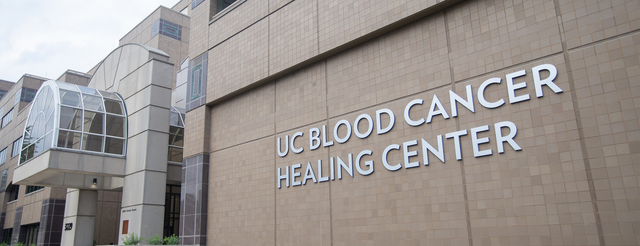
(77, 118)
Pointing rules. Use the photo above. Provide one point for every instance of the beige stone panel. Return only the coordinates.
(235, 21)
(246, 61)
(145, 34)
(195, 140)
(302, 211)
(404, 62)
(199, 34)
(9, 218)
(173, 48)
(277, 4)
(171, 16)
(57, 193)
(606, 78)
(293, 35)
(241, 195)
(106, 225)
(411, 206)
(31, 213)
(585, 22)
(490, 35)
(344, 21)
(244, 118)
(539, 195)
(186, 32)
(301, 97)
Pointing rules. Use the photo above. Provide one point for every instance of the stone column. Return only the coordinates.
(143, 194)
(80, 216)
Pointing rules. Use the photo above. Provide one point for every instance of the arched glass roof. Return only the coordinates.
(69, 116)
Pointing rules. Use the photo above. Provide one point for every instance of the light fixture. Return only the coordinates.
(95, 181)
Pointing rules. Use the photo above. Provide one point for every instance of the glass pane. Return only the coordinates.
(111, 95)
(93, 122)
(38, 128)
(175, 154)
(93, 103)
(174, 119)
(45, 98)
(70, 140)
(115, 126)
(27, 153)
(39, 147)
(47, 141)
(70, 98)
(49, 124)
(114, 146)
(27, 140)
(88, 91)
(66, 86)
(113, 106)
(70, 118)
(176, 136)
(92, 142)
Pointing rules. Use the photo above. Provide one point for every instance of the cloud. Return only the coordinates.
(43, 53)
(45, 38)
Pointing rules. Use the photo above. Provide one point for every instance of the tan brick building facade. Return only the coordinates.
(276, 68)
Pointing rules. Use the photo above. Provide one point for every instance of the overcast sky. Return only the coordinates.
(46, 37)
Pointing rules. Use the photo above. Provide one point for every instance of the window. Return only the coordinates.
(195, 3)
(13, 195)
(223, 4)
(176, 137)
(28, 94)
(17, 97)
(7, 118)
(74, 117)
(16, 147)
(33, 188)
(172, 210)
(3, 156)
(30, 233)
(176, 134)
(166, 28)
(6, 235)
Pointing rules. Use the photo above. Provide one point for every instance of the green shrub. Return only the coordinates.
(132, 239)
(172, 240)
(155, 240)
(19, 244)
(3, 244)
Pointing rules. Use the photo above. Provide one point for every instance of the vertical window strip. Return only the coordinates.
(7, 118)
(16, 147)
(3, 156)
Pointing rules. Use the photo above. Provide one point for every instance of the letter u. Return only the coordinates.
(286, 147)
